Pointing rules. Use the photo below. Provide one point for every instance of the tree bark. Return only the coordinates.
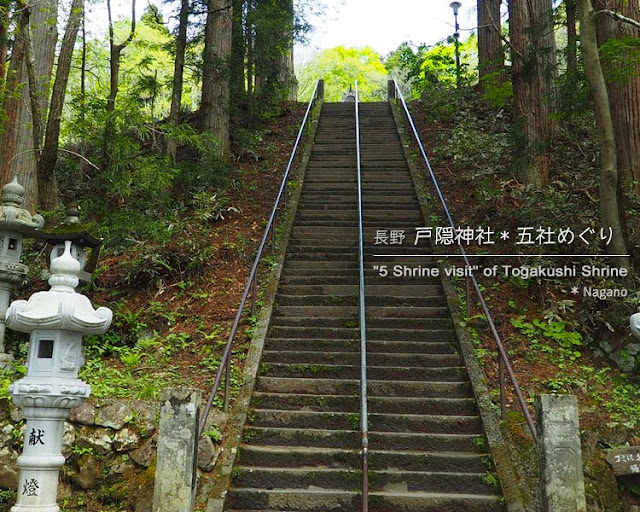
(286, 74)
(275, 79)
(572, 38)
(250, 36)
(610, 206)
(114, 79)
(490, 52)
(47, 185)
(530, 89)
(178, 73)
(4, 32)
(624, 96)
(214, 105)
(18, 156)
(238, 51)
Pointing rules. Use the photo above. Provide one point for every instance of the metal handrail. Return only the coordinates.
(504, 359)
(364, 424)
(251, 286)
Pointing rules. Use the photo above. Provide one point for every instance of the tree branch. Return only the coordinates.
(619, 17)
(504, 39)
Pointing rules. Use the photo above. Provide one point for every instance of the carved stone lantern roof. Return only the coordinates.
(12, 214)
(60, 307)
(635, 325)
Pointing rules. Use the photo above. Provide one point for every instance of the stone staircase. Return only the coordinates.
(301, 444)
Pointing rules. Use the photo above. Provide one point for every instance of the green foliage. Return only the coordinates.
(426, 67)
(620, 57)
(340, 67)
(540, 333)
(8, 376)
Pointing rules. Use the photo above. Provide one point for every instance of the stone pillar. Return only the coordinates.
(561, 477)
(391, 90)
(320, 91)
(57, 319)
(175, 483)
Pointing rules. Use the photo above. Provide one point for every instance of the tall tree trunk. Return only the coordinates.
(275, 79)
(178, 73)
(624, 95)
(5, 7)
(47, 186)
(18, 157)
(114, 80)
(530, 89)
(238, 50)
(490, 53)
(11, 105)
(83, 69)
(610, 206)
(214, 106)
(286, 75)
(250, 37)
(572, 38)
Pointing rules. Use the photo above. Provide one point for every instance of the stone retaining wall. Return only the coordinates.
(110, 447)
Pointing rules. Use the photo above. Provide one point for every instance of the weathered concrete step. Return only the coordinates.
(299, 268)
(351, 404)
(352, 311)
(391, 373)
(347, 439)
(353, 358)
(405, 423)
(377, 388)
(404, 290)
(372, 333)
(345, 501)
(337, 478)
(370, 278)
(372, 322)
(277, 456)
(353, 345)
(287, 500)
(278, 500)
(352, 299)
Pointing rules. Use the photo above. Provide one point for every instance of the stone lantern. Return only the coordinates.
(57, 320)
(15, 224)
(634, 322)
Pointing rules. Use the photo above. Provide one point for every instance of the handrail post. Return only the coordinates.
(227, 384)
(320, 91)
(503, 391)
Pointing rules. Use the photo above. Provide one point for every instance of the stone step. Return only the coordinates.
(353, 345)
(336, 371)
(348, 439)
(403, 423)
(350, 501)
(376, 388)
(352, 311)
(277, 456)
(340, 403)
(372, 333)
(372, 322)
(406, 290)
(353, 358)
(352, 300)
(337, 478)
